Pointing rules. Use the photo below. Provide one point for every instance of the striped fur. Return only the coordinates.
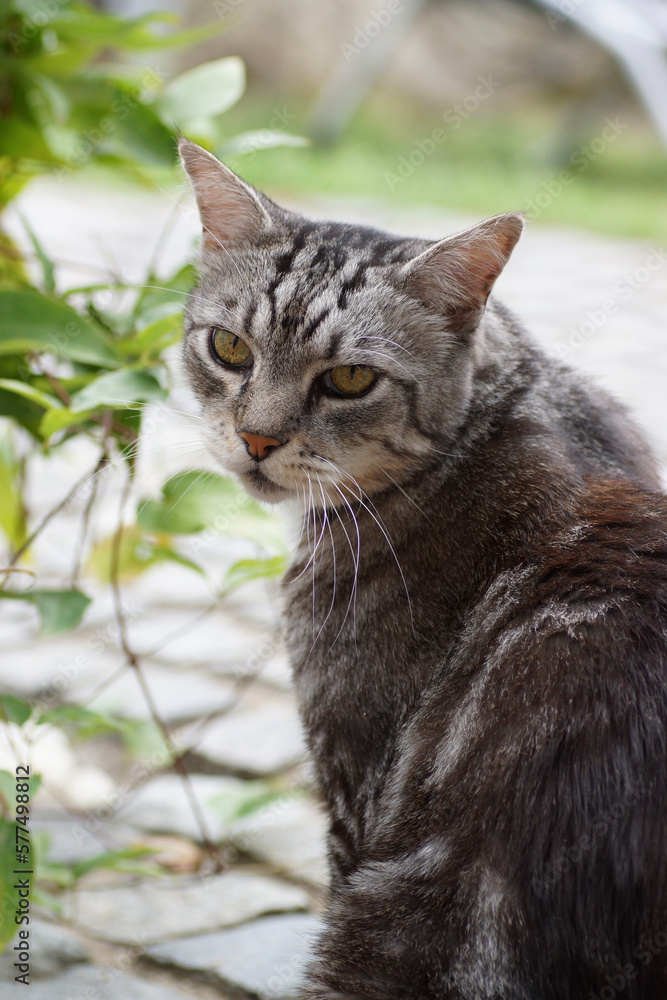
(476, 611)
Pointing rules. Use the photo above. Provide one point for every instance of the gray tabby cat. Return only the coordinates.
(476, 612)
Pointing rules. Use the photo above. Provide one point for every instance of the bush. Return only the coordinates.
(83, 362)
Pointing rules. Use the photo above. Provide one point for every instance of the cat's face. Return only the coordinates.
(329, 358)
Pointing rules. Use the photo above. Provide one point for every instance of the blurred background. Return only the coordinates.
(174, 843)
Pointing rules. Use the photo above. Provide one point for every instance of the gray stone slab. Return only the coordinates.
(214, 639)
(52, 948)
(71, 840)
(161, 805)
(261, 741)
(152, 912)
(290, 833)
(178, 695)
(54, 666)
(267, 957)
(91, 982)
(277, 672)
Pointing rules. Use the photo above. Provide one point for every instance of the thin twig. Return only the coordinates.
(85, 524)
(43, 523)
(55, 383)
(85, 521)
(135, 663)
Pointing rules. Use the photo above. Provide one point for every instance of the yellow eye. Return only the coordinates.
(351, 380)
(229, 348)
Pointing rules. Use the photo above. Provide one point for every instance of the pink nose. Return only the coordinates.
(258, 446)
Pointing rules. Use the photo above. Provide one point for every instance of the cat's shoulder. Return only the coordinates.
(589, 588)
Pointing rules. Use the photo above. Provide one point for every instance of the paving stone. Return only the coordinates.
(290, 833)
(66, 780)
(91, 982)
(215, 639)
(277, 672)
(178, 695)
(47, 670)
(266, 957)
(170, 584)
(161, 805)
(52, 948)
(157, 911)
(17, 623)
(71, 840)
(258, 742)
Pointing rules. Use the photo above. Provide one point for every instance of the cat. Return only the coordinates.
(476, 611)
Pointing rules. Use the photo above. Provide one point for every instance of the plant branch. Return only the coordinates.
(45, 520)
(85, 521)
(135, 662)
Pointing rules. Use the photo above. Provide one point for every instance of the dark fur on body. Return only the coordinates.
(485, 698)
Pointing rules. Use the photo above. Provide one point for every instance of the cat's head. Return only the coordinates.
(328, 356)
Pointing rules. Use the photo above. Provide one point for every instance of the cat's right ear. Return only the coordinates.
(229, 209)
(456, 275)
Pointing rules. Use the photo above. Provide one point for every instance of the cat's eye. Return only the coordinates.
(350, 380)
(228, 347)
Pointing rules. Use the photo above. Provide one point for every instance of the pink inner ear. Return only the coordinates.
(457, 275)
(230, 212)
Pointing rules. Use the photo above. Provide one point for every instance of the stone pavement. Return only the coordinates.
(244, 931)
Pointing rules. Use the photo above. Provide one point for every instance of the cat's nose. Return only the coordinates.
(258, 446)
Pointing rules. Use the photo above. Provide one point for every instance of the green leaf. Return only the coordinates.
(31, 392)
(110, 859)
(9, 897)
(246, 570)
(121, 388)
(252, 142)
(33, 322)
(202, 92)
(12, 514)
(14, 710)
(48, 272)
(189, 503)
(194, 501)
(48, 901)
(83, 721)
(142, 137)
(8, 791)
(161, 333)
(59, 105)
(22, 140)
(59, 420)
(59, 610)
(251, 796)
(138, 552)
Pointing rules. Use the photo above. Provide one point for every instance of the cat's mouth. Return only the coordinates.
(258, 482)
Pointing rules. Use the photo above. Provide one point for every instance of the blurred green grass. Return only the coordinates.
(492, 163)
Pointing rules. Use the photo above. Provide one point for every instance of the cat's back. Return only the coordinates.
(558, 677)
(534, 772)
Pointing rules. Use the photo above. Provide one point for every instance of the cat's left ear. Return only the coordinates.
(455, 276)
(230, 210)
